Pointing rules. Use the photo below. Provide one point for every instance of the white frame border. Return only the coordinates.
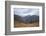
(27, 28)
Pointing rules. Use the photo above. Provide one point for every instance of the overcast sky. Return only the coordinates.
(26, 11)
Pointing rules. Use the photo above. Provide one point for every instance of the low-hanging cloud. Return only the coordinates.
(26, 11)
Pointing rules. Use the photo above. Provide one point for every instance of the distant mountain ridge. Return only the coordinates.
(28, 18)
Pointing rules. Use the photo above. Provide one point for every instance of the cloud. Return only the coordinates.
(26, 11)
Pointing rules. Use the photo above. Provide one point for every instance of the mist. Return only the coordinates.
(26, 11)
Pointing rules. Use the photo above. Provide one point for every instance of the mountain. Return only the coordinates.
(26, 19)
(31, 18)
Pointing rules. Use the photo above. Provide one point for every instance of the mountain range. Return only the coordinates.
(26, 19)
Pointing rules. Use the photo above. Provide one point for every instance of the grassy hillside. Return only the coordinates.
(21, 24)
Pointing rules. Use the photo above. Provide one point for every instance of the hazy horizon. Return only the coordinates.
(26, 11)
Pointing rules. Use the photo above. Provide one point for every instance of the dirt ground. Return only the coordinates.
(20, 24)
